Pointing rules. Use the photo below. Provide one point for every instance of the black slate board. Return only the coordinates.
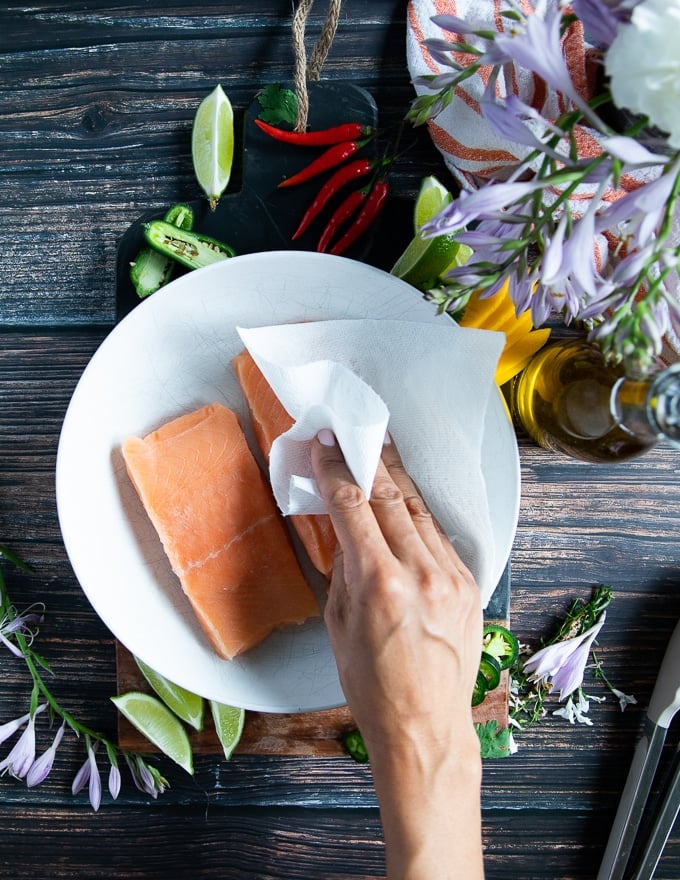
(260, 216)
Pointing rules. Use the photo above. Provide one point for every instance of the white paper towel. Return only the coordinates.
(429, 383)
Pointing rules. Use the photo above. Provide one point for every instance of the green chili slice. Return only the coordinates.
(501, 644)
(353, 741)
(480, 690)
(189, 248)
(150, 269)
(491, 670)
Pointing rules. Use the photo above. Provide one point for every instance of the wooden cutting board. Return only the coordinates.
(317, 734)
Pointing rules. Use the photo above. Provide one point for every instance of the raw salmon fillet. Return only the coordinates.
(220, 528)
(270, 420)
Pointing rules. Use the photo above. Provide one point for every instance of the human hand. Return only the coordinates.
(405, 622)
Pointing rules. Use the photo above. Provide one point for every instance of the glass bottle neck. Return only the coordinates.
(650, 408)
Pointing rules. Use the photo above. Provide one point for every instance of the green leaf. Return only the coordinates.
(494, 743)
(278, 104)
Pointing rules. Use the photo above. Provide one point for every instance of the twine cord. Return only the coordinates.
(303, 72)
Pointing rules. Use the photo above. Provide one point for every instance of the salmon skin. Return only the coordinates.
(270, 420)
(220, 528)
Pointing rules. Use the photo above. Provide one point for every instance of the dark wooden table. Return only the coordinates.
(96, 103)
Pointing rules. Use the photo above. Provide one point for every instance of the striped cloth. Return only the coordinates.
(472, 150)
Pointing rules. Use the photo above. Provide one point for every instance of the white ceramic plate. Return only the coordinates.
(170, 355)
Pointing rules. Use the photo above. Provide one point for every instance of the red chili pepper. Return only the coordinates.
(350, 131)
(375, 202)
(357, 168)
(350, 206)
(329, 159)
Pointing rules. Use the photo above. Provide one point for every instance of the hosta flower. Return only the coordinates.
(18, 762)
(563, 663)
(19, 623)
(643, 64)
(41, 767)
(145, 777)
(89, 775)
(537, 46)
(601, 18)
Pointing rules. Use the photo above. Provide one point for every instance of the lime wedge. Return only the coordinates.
(425, 259)
(187, 706)
(157, 723)
(212, 144)
(229, 723)
(432, 197)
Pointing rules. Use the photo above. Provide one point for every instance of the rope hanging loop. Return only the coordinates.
(302, 71)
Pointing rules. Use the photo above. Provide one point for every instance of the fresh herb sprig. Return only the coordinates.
(560, 665)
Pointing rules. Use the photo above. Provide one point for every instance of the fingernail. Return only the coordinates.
(326, 437)
(387, 440)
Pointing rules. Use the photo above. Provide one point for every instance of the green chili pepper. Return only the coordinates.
(151, 269)
(480, 689)
(490, 668)
(189, 248)
(355, 745)
(501, 644)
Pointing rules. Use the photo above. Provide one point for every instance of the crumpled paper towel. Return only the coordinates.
(428, 383)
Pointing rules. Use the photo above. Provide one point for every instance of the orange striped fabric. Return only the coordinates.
(472, 150)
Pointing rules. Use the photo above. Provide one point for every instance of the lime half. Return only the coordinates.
(187, 706)
(212, 144)
(432, 197)
(157, 723)
(229, 721)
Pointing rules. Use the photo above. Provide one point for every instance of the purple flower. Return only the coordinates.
(599, 22)
(483, 202)
(511, 118)
(42, 766)
(630, 151)
(564, 662)
(18, 762)
(648, 203)
(89, 775)
(11, 727)
(21, 623)
(538, 47)
(114, 781)
(146, 778)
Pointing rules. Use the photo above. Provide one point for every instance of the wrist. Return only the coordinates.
(430, 808)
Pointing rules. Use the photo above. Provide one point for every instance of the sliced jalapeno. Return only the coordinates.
(189, 248)
(480, 690)
(491, 670)
(151, 269)
(353, 741)
(501, 644)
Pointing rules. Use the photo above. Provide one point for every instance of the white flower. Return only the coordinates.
(643, 63)
(624, 699)
(576, 711)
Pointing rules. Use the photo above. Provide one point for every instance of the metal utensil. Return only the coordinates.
(664, 703)
(663, 824)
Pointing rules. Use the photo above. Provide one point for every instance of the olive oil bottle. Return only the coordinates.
(570, 400)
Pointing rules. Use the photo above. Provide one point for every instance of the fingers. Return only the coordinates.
(355, 525)
(398, 529)
(395, 519)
